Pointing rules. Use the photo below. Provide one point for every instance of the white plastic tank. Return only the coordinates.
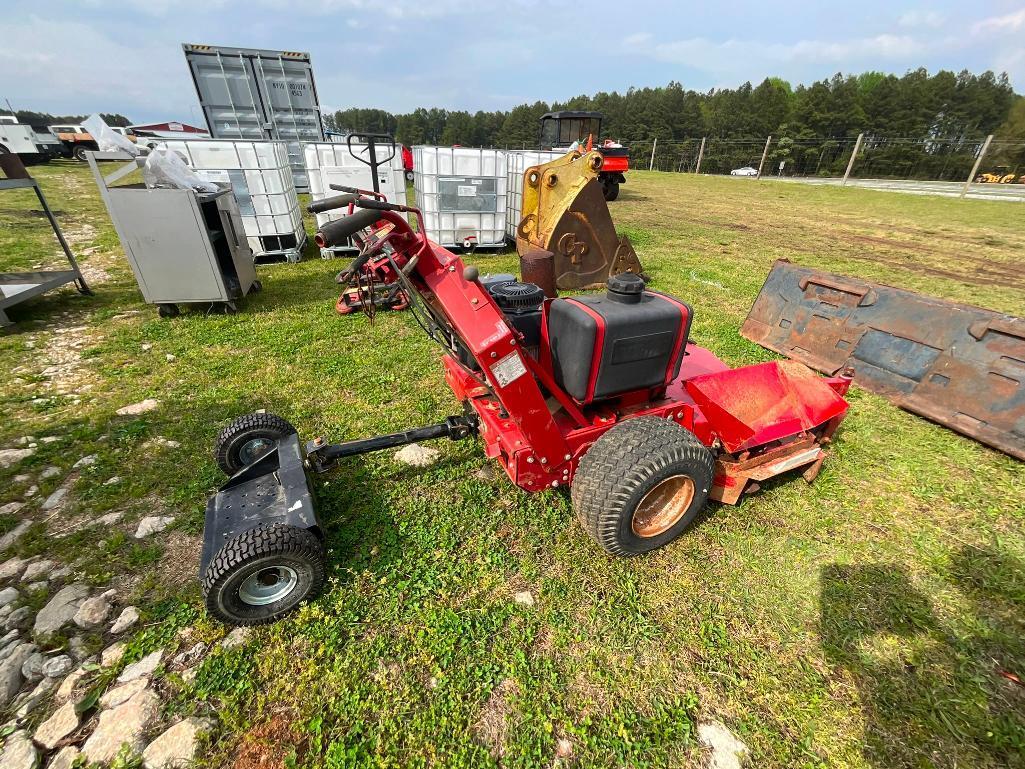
(261, 180)
(517, 162)
(462, 193)
(330, 163)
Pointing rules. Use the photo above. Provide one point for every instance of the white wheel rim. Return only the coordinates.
(267, 585)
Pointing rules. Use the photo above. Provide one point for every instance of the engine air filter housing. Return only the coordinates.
(517, 297)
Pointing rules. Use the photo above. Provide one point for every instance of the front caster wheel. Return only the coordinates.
(168, 310)
(247, 439)
(262, 574)
(641, 484)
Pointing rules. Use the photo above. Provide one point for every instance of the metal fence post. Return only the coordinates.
(651, 163)
(764, 153)
(850, 163)
(975, 168)
(701, 154)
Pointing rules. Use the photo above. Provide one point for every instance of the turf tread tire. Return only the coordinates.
(625, 463)
(273, 540)
(227, 441)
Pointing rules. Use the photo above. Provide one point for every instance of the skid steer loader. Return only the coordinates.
(565, 216)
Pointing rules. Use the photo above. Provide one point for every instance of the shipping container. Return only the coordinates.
(462, 193)
(260, 177)
(517, 163)
(252, 94)
(330, 163)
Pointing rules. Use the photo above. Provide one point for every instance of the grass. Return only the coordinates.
(861, 621)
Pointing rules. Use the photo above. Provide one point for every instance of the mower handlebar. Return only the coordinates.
(331, 203)
(343, 188)
(380, 205)
(335, 233)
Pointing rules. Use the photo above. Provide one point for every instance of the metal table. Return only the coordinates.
(16, 287)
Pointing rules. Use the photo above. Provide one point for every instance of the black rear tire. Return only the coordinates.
(168, 310)
(79, 152)
(262, 574)
(641, 485)
(248, 438)
(610, 190)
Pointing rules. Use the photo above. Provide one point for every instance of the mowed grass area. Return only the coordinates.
(864, 620)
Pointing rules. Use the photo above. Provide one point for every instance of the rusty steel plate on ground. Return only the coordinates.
(958, 365)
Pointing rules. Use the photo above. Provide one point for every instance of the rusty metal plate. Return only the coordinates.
(958, 365)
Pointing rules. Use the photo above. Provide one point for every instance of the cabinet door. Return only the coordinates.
(241, 254)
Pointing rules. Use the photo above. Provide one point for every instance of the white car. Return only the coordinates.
(745, 171)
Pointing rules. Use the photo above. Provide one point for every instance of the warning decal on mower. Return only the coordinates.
(508, 369)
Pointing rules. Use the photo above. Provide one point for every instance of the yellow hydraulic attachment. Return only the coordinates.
(565, 213)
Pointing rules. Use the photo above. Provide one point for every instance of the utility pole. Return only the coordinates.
(975, 168)
(850, 163)
(651, 163)
(701, 154)
(764, 153)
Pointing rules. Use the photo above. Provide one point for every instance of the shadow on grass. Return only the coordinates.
(932, 687)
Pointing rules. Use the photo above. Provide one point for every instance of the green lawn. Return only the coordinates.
(864, 620)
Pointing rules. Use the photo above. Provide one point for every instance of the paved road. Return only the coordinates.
(1011, 192)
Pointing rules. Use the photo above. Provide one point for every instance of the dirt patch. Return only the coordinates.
(180, 562)
(266, 746)
(492, 727)
(62, 360)
(897, 245)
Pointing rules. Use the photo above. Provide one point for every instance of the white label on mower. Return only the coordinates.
(296, 506)
(466, 191)
(508, 369)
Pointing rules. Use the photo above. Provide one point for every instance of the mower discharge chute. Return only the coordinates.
(603, 394)
(565, 213)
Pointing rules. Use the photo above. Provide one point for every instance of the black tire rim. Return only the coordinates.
(267, 585)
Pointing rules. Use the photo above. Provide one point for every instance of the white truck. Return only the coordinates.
(32, 145)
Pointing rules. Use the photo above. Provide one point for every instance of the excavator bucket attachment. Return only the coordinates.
(565, 213)
(958, 365)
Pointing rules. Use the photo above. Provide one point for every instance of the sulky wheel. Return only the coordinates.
(168, 310)
(641, 484)
(248, 438)
(610, 190)
(262, 574)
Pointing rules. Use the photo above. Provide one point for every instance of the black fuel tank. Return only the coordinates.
(629, 339)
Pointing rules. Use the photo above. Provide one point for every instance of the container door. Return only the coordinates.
(231, 101)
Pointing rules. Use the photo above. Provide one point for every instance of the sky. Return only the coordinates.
(125, 56)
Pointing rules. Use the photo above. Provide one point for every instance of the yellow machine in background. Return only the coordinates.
(565, 213)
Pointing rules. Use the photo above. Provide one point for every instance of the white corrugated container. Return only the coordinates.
(462, 193)
(517, 162)
(330, 163)
(261, 180)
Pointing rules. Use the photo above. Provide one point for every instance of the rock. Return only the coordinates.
(37, 570)
(563, 747)
(58, 726)
(32, 668)
(416, 455)
(128, 617)
(175, 748)
(109, 594)
(189, 657)
(31, 491)
(19, 619)
(92, 613)
(170, 357)
(146, 346)
(111, 482)
(22, 478)
(19, 752)
(112, 655)
(87, 461)
(236, 637)
(56, 499)
(8, 595)
(64, 759)
(110, 518)
(119, 694)
(58, 666)
(35, 587)
(138, 408)
(725, 750)
(11, 508)
(14, 534)
(9, 648)
(152, 524)
(36, 697)
(124, 724)
(188, 676)
(9, 457)
(60, 610)
(49, 472)
(524, 598)
(11, 636)
(10, 672)
(78, 648)
(143, 667)
(67, 687)
(61, 573)
(12, 567)
(49, 439)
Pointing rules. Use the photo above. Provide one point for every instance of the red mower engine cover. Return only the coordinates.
(628, 340)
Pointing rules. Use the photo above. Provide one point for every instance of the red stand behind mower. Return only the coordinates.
(603, 395)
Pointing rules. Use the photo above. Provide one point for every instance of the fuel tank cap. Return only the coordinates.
(626, 288)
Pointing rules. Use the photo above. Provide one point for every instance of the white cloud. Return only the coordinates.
(917, 19)
(1007, 24)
